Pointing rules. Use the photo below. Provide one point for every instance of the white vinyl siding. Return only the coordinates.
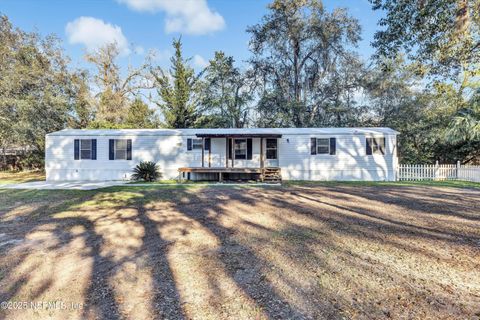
(349, 163)
(294, 158)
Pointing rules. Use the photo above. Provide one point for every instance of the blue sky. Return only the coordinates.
(205, 25)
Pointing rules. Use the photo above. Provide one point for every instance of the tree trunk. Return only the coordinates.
(463, 18)
(4, 157)
(296, 85)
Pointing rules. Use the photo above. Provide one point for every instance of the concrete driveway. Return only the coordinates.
(63, 185)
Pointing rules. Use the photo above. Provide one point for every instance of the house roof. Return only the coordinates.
(238, 135)
(224, 132)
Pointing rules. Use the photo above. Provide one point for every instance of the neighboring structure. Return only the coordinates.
(293, 153)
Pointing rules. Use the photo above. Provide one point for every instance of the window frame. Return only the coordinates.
(275, 148)
(377, 147)
(115, 149)
(243, 156)
(80, 149)
(318, 145)
(198, 142)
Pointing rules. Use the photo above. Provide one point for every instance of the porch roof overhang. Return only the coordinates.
(238, 135)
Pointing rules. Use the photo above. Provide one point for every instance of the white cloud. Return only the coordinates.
(199, 61)
(94, 33)
(186, 16)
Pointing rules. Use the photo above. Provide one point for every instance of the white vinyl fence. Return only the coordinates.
(438, 172)
(469, 173)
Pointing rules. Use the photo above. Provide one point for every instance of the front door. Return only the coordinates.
(271, 153)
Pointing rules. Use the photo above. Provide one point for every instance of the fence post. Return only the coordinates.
(435, 175)
(458, 169)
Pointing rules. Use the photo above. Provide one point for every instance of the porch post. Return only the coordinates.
(226, 152)
(262, 173)
(233, 152)
(210, 154)
(203, 152)
(261, 153)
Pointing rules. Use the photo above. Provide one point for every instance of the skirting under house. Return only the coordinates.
(218, 154)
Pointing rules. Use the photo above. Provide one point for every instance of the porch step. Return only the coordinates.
(272, 174)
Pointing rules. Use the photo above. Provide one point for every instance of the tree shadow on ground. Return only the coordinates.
(395, 226)
(245, 267)
(100, 299)
(150, 224)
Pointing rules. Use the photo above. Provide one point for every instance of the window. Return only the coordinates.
(194, 144)
(197, 144)
(375, 146)
(120, 149)
(271, 149)
(86, 149)
(240, 148)
(323, 146)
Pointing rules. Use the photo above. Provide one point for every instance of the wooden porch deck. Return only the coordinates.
(270, 173)
(219, 170)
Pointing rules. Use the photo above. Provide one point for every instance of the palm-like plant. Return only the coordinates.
(466, 125)
(146, 171)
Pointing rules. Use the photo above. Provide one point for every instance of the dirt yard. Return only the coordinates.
(296, 252)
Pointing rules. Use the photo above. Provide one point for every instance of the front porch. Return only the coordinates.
(267, 174)
(244, 156)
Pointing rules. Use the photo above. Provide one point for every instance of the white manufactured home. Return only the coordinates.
(207, 154)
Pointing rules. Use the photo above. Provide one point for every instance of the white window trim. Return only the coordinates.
(235, 148)
(375, 147)
(267, 148)
(328, 145)
(115, 149)
(81, 149)
(199, 143)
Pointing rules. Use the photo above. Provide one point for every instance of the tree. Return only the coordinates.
(36, 93)
(300, 52)
(443, 38)
(398, 98)
(465, 125)
(176, 90)
(112, 104)
(395, 101)
(83, 103)
(115, 92)
(140, 116)
(226, 93)
(441, 35)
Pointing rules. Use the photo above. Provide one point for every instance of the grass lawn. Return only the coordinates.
(302, 250)
(430, 183)
(22, 176)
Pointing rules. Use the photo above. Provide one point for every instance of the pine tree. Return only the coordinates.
(140, 116)
(225, 94)
(176, 90)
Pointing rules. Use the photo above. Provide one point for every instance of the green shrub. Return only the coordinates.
(146, 171)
